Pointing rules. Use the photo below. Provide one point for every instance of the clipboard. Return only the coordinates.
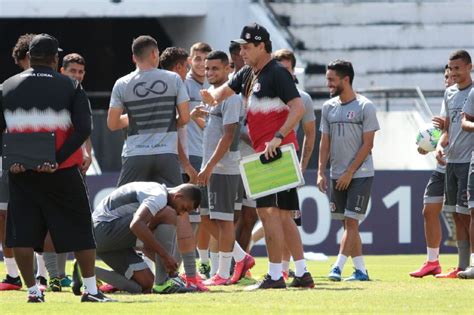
(28, 149)
(261, 180)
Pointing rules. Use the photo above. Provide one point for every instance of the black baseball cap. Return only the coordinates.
(44, 45)
(253, 33)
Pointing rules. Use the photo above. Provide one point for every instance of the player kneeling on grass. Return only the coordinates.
(146, 212)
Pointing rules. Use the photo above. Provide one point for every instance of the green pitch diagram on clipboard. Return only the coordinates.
(261, 180)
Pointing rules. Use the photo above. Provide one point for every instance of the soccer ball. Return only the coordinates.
(428, 138)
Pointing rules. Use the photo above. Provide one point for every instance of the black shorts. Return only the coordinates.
(57, 202)
(284, 200)
(352, 202)
(456, 188)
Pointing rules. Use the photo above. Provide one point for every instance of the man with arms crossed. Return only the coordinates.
(274, 108)
(454, 149)
(348, 126)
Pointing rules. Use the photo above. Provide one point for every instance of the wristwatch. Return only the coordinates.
(279, 135)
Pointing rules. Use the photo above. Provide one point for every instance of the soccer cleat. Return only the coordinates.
(205, 270)
(76, 279)
(216, 280)
(291, 273)
(305, 281)
(466, 274)
(99, 297)
(10, 283)
(285, 275)
(66, 282)
(35, 299)
(108, 288)
(42, 283)
(196, 283)
(55, 285)
(427, 269)
(335, 274)
(451, 274)
(241, 268)
(267, 283)
(358, 275)
(172, 285)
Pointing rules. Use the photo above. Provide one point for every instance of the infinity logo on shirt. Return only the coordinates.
(158, 88)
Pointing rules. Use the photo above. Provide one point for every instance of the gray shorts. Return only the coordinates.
(159, 168)
(434, 191)
(456, 188)
(4, 191)
(470, 186)
(222, 195)
(351, 203)
(196, 161)
(115, 246)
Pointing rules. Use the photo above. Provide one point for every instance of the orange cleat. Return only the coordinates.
(427, 269)
(451, 274)
(241, 268)
(196, 282)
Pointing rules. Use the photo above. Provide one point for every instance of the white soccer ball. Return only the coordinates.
(428, 137)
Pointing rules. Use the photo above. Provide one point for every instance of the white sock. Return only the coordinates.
(224, 264)
(41, 266)
(285, 266)
(150, 263)
(472, 259)
(203, 255)
(90, 285)
(433, 253)
(300, 267)
(359, 263)
(340, 261)
(12, 268)
(238, 253)
(214, 263)
(34, 290)
(274, 270)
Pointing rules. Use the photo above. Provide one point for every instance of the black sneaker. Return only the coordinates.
(291, 274)
(10, 283)
(35, 299)
(76, 279)
(99, 297)
(267, 283)
(305, 281)
(42, 283)
(55, 285)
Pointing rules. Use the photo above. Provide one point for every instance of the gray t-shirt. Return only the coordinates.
(195, 133)
(308, 109)
(441, 168)
(230, 111)
(469, 106)
(127, 199)
(461, 142)
(346, 124)
(150, 99)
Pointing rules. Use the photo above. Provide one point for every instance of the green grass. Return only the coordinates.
(390, 291)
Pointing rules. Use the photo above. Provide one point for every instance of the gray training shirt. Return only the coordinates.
(461, 142)
(308, 109)
(126, 199)
(346, 124)
(230, 111)
(194, 132)
(150, 98)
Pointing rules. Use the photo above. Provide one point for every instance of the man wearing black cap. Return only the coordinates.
(274, 108)
(51, 196)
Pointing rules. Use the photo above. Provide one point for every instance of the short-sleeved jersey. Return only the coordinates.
(194, 132)
(460, 142)
(308, 109)
(127, 199)
(150, 98)
(229, 112)
(40, 99)
(346, 125)
(267, 94)
(469, 106)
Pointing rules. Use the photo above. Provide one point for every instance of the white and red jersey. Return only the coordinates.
(268, 94)
(42, 100)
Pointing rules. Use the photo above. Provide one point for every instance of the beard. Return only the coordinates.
(338, 90)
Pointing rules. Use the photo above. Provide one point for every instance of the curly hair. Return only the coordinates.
(21, 47)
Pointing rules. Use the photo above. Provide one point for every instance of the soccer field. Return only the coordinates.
(390, 291)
